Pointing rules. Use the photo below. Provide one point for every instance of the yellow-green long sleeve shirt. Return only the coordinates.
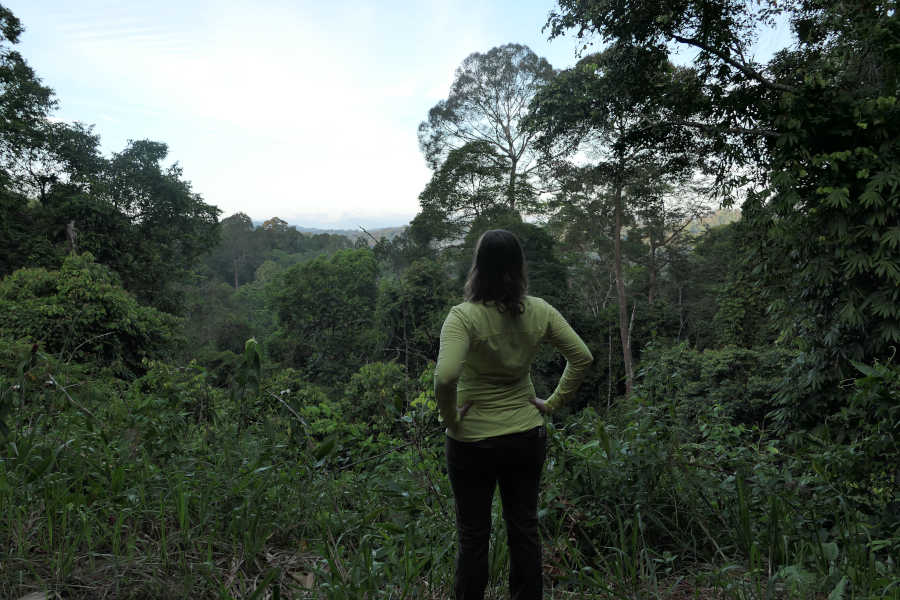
(485, 359)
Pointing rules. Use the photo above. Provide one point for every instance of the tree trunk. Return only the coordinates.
(72, 236)
(235, 272)
(511, 191)
(620, 292)
(609, 369)
(652, 291)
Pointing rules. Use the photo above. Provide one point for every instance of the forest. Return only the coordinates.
(194, 405)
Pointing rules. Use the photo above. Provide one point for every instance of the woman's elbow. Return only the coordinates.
(444, 382)
(585, 359)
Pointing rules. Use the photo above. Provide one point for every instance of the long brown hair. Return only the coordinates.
(498, 272)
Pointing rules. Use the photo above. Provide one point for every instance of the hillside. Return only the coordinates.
(377, 233)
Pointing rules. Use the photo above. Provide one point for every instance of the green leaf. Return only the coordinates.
(891, 238)
(838, 592)
(326, 447)
(830, 551)
(838, 197)
(864, 369)
(270, 576)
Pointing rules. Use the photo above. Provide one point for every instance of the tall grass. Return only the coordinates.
(111, 489)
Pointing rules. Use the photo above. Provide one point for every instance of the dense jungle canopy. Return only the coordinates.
(201, 406)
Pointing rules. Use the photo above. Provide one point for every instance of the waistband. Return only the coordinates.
(539, 432)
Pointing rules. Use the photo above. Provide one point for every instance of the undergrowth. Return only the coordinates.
(168, 486)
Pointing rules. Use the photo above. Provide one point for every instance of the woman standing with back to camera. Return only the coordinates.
(495, 427)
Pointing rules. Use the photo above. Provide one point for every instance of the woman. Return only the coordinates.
(497, 436)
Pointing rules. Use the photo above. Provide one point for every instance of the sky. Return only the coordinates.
(304, 110)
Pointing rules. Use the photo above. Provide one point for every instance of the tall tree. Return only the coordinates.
(818, 129)
(65, 161)
(24, 105)
(170, 225)
(487, 102)
(236, 257)
(59, 195)
(25, 102)
(608, 110)
(326, 309)
(35, 152)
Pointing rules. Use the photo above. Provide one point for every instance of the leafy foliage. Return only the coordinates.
(410, 311)
(169, 225)
(470, 182)
(326, 309)
(377, 394)
(245, 248)
(816, 127)
(82, 312)
(740, 384)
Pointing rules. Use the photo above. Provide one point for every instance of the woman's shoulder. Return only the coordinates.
(536, 303)
(539, 310)
(468, 307)
(466, 310)
(473, 311)
(463, 307)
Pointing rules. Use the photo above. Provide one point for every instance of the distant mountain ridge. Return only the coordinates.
(375, 232)
(714, 219)
(353, 234)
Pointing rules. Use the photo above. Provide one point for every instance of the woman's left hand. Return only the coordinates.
(541, 405)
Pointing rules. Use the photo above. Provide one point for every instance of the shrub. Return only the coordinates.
(376, 394)
(82, 313)
(741, 382)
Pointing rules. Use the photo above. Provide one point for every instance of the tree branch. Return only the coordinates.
(743, 68)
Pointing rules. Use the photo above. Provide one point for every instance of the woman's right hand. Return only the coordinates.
(541, 405)
(461, 412)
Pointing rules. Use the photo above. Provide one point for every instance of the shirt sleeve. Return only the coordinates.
(578, 358)
(451, 356)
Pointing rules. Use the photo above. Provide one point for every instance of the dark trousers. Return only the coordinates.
(514, 462)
